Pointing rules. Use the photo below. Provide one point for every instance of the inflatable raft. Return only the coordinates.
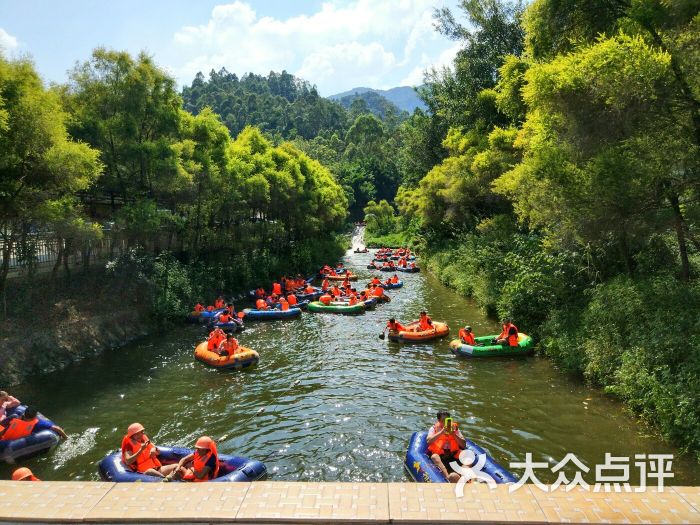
(408, 336)
(336, 308)
(484, 348)
(392, 286)
(251, 314)
(231, 468)
(408, 270)
(351, 277)
(243, 358)
(36, 443)
(423, 470)
(231, 326)
(208, 317)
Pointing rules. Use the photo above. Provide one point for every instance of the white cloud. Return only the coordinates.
(361, 42)
(444, 59)
(7, 41)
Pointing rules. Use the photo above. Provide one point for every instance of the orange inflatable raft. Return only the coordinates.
(243, 358)
(410, 336)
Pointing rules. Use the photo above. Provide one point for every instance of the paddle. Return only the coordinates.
(382, 336)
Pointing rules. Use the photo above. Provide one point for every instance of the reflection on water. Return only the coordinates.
(338, 403)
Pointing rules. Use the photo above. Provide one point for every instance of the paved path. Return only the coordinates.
(329, 503)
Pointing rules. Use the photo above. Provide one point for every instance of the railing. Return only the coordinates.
(44, 251)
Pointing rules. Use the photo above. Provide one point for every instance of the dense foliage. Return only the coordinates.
(568, 198)
(242, 207)
(279, 104)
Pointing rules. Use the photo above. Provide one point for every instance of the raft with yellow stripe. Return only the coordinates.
(243, 358)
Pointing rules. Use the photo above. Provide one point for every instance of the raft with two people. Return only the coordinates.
(243, 358)
(485, 347)
(413, 334)
(423, 470)
(139, 460)
(37, 435)
(253, 314)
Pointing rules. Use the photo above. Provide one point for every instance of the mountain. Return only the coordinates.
(373, 102)
(404, 97)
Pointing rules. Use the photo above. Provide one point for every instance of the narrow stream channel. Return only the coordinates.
(357, 401)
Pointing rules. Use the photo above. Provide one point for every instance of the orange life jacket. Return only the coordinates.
(467, 337)
(325, 299)
(219, 303)
(198, 308)
(19, 428)
(229, 346)
(215, 339)
(446, 442)
(335, 291)
(353, 300)
(284, 305)
(277, 288)
(144, 461)
(260, 292)
(210, 308)
(376, 281)
(260, 304)
(325, 285)
(394, 279)
(225, 317)
(198, 463)
(512, 339)
(425, 323)
(292, 299)
(309, 289)
(378, 291)
(395, 326)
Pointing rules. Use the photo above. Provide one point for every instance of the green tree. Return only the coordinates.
(39, 164)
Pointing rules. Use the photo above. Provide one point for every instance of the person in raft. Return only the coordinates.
(228, 347)
(424, 322)
(29, 423)
(201, 465)
(394, 326)
(509, 334)
(467, 336)
(24, 474)
(216, 337)
(140, 455)
(199, 308)
(445, 443)
(7, 402)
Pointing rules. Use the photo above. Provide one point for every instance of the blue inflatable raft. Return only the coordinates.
(423, 470)
(209, 317)
(13, 449)
(231, 468)
(392, 286)
(231, 326)
(408, 270)
(252, 314)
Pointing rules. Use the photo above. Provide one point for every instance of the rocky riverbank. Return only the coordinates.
(66, 332)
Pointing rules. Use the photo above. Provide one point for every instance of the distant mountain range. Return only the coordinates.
(405, 98)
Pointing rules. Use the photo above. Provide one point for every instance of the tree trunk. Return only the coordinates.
(625, 253)
(680, 234)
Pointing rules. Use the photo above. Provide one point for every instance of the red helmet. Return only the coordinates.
(134, 428)
(204, 442)
(22, 473)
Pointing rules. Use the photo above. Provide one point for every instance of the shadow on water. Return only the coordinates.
(339, 403)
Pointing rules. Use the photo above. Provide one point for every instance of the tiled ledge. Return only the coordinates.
(377, 503)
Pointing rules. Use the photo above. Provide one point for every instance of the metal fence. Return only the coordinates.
(43, 252)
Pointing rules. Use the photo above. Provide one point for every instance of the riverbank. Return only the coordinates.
(636, 339)
(65, 332)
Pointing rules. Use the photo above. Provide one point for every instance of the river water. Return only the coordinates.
(339, 403)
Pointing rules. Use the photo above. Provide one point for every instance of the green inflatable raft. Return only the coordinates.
(484, 348)
(336, 308)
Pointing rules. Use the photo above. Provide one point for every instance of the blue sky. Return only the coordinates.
(335, 44)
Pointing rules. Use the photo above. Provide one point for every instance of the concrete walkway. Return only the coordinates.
(289, 502)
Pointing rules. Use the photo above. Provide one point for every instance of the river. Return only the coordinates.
(339, 403)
